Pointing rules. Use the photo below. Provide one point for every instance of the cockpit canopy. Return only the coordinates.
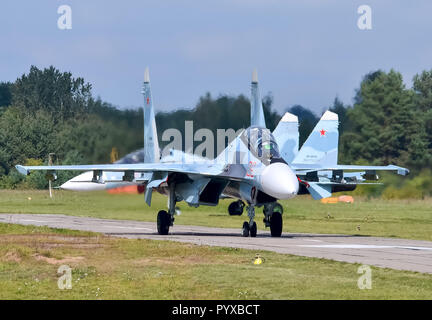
(261, 143)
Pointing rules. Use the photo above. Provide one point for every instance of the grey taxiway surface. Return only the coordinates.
(401, 254)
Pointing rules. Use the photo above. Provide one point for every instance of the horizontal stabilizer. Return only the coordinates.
(319, 191)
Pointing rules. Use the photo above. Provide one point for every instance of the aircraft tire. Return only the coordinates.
(253, 230)
(276, 224)
(163, 222)
(245, 229)
(236, 208)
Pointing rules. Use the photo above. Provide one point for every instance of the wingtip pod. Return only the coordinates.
(146, 75)
(22, 170)
(254, 76)
(402, 171)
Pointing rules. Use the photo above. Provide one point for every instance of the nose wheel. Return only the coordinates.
(273, 218)
(276, 224)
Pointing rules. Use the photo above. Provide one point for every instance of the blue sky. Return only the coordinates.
(306, 52)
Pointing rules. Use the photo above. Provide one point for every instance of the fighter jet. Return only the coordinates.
(250, 169)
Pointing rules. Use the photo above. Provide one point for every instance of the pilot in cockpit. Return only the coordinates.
(262, 144)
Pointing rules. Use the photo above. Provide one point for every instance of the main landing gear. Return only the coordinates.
(236, 208)
(165, 220)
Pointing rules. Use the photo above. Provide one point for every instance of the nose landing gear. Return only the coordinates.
(250, 228)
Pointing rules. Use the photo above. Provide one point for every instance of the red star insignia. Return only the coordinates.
(322, 132)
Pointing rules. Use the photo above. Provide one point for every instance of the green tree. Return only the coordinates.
(53, 91)
(384, 125)
(422, 85)
(25, 136)
(5, 94)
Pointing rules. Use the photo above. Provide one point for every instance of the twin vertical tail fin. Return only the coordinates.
(287, 137)
(257, 111)
(151, 143)
(321, 147)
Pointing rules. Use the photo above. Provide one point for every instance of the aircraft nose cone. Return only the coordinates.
(279, 181)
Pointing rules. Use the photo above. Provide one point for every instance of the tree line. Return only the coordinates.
(49, 111)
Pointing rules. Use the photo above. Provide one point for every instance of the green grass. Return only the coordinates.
(411, 219)
(112, 268)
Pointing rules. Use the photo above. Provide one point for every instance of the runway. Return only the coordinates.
(400, 254)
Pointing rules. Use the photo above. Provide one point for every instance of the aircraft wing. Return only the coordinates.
(303, 169)
(204, 169)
